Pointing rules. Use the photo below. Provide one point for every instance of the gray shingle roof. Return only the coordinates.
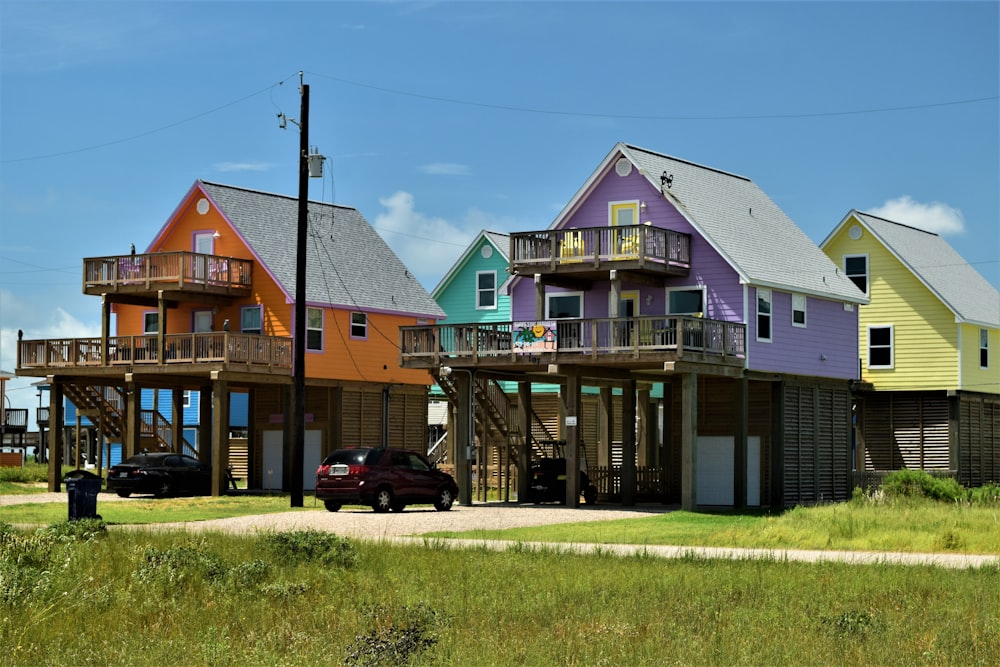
(748, 229)
(347, 262)
(935, 263)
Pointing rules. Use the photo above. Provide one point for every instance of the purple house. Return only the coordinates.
(664, 272)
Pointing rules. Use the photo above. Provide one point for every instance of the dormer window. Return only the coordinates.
(856, 268)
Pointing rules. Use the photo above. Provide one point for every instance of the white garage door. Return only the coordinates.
(272, 459)
(715, 468)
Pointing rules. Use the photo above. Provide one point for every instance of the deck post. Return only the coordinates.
(689, 441)
(628, 443)
(740, 428)
(220, 434)
(205, 424)
(177, 420)
(55, 434)
(133, 417)
(571, 404)
(524, 410)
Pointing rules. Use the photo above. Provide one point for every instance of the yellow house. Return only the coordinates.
(929, 342)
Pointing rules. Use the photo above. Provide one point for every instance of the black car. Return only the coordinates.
(160, 474)
(385, 479)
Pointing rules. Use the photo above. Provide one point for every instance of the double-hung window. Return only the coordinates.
(763, 315)
(856, 268)
(314, 328)
(799, 310)
(251, 320)
(486, 290)
(359, 325)
(880, 343)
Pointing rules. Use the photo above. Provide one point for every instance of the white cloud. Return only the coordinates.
(429, 246)
(935, 217)
(241, 166)
(446, 169)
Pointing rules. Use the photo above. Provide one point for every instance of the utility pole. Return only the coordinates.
(297, 450)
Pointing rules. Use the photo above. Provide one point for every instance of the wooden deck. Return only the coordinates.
(177, 272)
(600, 340)
(259, 353)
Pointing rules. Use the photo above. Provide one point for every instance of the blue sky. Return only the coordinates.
(441, 119)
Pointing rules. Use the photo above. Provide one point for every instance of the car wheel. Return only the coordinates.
(331, 506)
(590, 495)
(383, 500)
(123, 494)
(164, 489)
(444, 500)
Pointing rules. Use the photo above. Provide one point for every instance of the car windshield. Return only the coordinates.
(352, 457)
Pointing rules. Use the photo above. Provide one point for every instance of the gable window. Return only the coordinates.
(314, 328)
(686, 301)
(486, 290)
(151, 322)
(984, 348)
(799, 310)
(187, 398)
(251, 320)
(359, 325)
(563, 305)
(856, 268)
(880, 340)
(764, 315)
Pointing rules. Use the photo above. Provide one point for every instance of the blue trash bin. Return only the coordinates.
(82, 487)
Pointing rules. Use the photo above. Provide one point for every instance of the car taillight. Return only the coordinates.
(357, 470)
(322, 471)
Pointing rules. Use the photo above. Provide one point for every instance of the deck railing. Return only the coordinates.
(181, 270)
(599, 246)
(622, 335)
(190, 348)
(15, 420)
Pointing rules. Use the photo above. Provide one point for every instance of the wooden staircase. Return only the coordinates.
(105, 406)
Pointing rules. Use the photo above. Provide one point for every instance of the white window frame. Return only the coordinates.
(767, 295)
(480, 291)
(799, 300)
(984, 348)
(359, 326)
(186, 398)
(556, 295)
(311, 329)
(891, 346)
(867, 274)
(260, 315)
(146, 316)
(691, 288)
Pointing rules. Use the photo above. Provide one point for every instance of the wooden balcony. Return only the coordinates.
(648, 253)
(232, 350)
(628, 342)
(184, 275)
(15, 420)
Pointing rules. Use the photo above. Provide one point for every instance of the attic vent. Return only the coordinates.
(203, 206)
(623, 167)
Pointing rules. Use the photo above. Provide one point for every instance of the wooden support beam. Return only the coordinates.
(689, 441)
(132, 437)
(205, 424)
(571, 406)
(524, 452)
(56, 419)
(629, 475)
(220, 436)
(740, 425)
(177, 420)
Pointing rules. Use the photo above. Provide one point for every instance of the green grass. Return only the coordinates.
(141, 511)
(154, 598)
(909, 526)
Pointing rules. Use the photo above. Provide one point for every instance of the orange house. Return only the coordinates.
(209, 306)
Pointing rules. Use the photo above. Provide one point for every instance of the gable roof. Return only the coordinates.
(347, 263)
(739, 221)
(937, 265)
(499, 241)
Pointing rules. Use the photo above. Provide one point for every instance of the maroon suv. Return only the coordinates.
(386, 479)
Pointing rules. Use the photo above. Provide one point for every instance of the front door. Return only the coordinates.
(628, 308)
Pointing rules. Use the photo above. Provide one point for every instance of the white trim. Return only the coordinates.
(981, 347)
(770, 314)
(495, 289)
(805, 310)
(892, 346)
(624, 203)
(550, 295)
(868, 270)
(681, 288)
(146, 313)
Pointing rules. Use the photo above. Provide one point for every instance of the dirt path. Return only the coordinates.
(407, 527)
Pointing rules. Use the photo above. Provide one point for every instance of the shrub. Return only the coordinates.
(395, 636)
(921, 484)
(988, 494)
(311, 546)
(176, 567)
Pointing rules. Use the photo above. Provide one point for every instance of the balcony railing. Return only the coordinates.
(591, 248)
(191, 348)
(15, 420)
(436, 344)
(183, 271)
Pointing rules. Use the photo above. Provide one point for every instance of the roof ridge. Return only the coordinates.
(687, 162)
(893, 222)
(273, 194)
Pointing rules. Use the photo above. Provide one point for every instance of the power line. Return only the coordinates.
(617, 116)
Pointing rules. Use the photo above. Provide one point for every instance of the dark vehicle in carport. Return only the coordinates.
(548, 476)
(385, 479)
(160, 474)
